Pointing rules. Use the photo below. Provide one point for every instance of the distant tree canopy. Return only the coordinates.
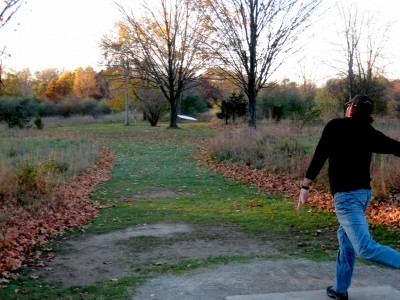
(85, 84)
(54, 85)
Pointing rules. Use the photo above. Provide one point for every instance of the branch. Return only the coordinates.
(11, 7)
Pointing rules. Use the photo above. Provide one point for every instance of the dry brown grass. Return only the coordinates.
(385, 169)
(281, 148)
(275, 147)
(60, 121)
(34, 165)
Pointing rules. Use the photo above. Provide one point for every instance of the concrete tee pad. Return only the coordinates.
(364, 293)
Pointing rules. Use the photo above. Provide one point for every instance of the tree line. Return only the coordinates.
(169, 45)
(85, 91)
(184, 56)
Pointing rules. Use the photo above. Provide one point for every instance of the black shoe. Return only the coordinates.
(335, 295)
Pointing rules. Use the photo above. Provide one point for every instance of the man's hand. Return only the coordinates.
(303, 198)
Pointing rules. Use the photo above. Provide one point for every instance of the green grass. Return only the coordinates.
(159, 159)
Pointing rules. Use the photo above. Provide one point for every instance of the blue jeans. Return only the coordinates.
(355, 239)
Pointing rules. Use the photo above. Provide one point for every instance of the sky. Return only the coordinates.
(65, 34)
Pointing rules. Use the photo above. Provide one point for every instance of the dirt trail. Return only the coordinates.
(88, 259)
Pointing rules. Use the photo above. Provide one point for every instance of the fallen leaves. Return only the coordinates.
(387, 213)
(21, 231)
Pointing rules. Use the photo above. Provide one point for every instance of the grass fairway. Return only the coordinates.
(156, 179)
(159, 160)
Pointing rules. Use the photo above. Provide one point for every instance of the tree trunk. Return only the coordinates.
(252, 100)
(252, 110)
(252, 68)
(174, 114)
(126, 122)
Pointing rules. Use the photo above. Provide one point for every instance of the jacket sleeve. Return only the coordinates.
(320, 155)
(384, 144)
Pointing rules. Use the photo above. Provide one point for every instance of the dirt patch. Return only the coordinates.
(91, 258)
(88, 259)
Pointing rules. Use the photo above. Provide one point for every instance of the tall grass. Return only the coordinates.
(385, 168)
(275, 147)
(34, 166)
(59, 121)
(281, 148)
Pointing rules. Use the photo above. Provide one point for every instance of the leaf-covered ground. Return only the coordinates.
(21, 232)
(387, 213)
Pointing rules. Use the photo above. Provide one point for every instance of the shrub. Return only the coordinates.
(27, 177)
(17, 111)
(18, 118)
(38, 184)
(38, 121)
(234, 106)
(33, 170)
(192, 104)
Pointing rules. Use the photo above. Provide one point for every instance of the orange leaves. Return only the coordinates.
(377, 212)
(21, 232)
(384, 213)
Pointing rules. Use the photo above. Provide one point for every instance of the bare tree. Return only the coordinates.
(370, 57)
(9, 8)
(254, 37)
(352, 35)
(362, 46)
(164, 46)
(153, 102)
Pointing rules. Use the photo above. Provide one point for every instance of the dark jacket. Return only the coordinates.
(348, 143)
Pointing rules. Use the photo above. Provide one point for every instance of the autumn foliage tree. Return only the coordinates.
(51, 89)
(42, 80)
(164, 44)
(112, 81)
(85, 84)
(17, 84)
(65, 84)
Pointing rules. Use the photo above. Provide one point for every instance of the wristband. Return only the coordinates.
(305, 187)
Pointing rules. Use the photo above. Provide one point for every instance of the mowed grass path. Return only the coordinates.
(150, 160)
(160, 159)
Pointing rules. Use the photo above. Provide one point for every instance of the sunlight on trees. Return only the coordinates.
(251, 39)
(85, 83)
(184, 56)
(164, 46)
